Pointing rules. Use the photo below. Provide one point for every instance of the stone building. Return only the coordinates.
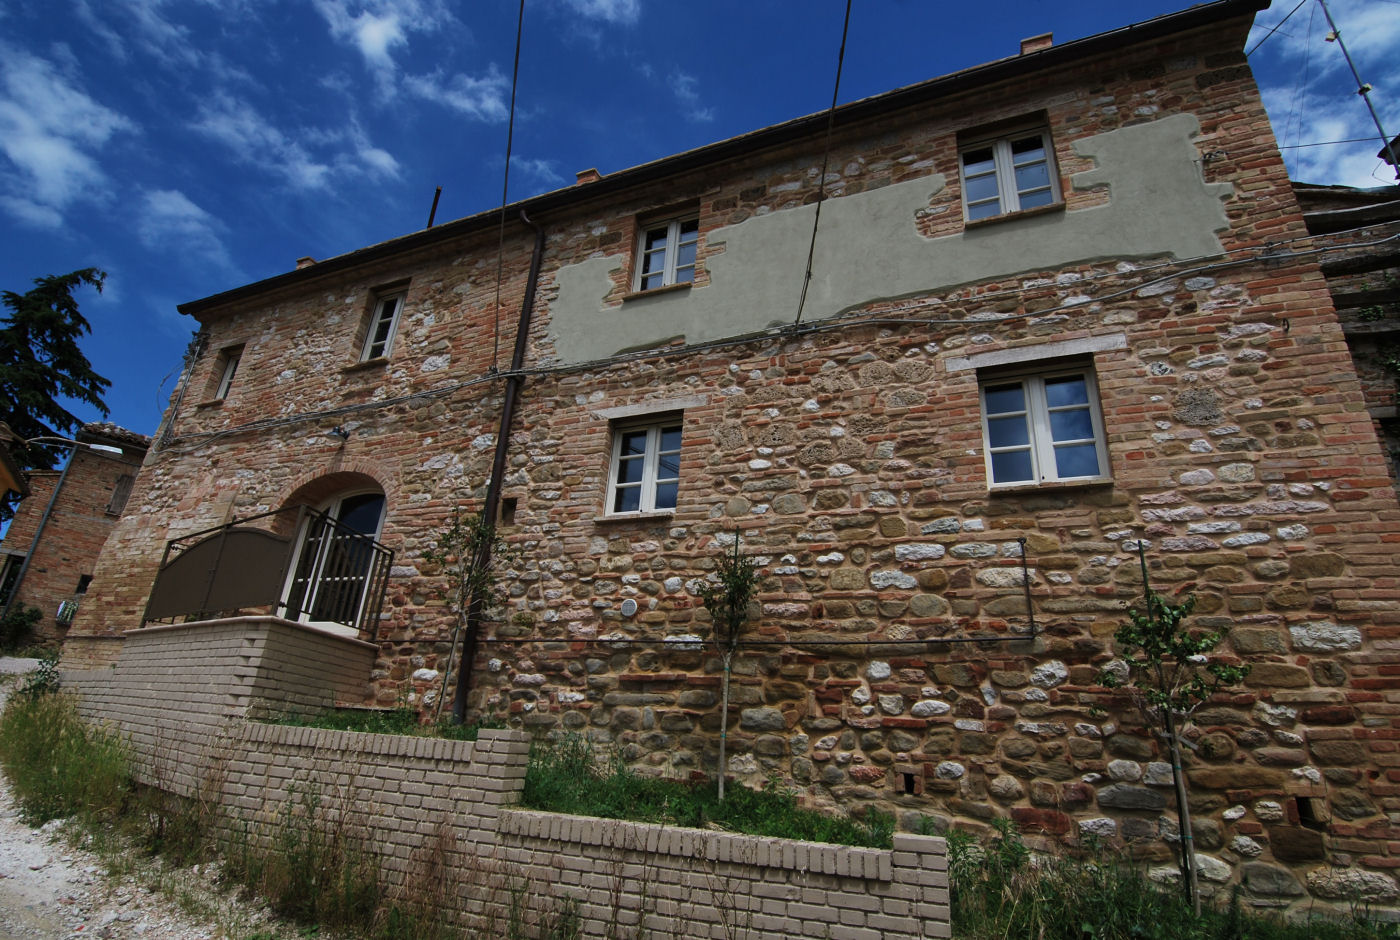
(1064, 304)
(50, 550)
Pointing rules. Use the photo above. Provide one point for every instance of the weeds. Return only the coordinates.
(566, 777)
(59, 765)
(999, 889)
(386, 721)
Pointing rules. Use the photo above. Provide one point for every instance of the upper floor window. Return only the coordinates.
(666, 253)
(1008, 174)
(383, 324)
(227, 368)
(121, 492)
(1043, 428)
(646, 467)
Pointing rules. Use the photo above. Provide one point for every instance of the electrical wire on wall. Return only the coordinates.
(826, 159)
(505, 189)
(1157, 274)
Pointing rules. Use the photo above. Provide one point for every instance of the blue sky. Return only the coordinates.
(189, 146)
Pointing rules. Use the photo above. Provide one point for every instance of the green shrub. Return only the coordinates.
(566, 777)
(386, 721)
(1000, 890)
(58, 765)
(17, 627)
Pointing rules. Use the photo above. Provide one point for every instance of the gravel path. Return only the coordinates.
(52, 890)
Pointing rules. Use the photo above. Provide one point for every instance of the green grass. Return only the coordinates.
(58, 765)
(566, 777)
(384, 721)
(1000, 890)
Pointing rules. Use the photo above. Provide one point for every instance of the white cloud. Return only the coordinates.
(1311, 96)
(686, 88)
(542, 171)
(625, 12)
(167, 219)
(50, 134)
(484, 98)
(306, 159)
(380, 28)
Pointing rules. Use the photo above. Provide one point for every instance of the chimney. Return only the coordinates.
(590, 175)
(1037, 43)
(306, 262)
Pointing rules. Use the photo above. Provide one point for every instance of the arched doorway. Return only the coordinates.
(335, 572)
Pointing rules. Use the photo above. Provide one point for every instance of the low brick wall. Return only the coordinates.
(437, 814)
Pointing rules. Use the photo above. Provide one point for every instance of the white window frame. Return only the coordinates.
(1042, 445)
(651, 462)
(315, 576)
(1008, 196)
(671, 271)
(387, 314)
(231, 357)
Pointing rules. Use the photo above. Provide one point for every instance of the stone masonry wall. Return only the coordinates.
(896, 669)
(435, 814)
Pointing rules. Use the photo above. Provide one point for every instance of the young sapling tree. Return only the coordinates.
(1169, 673)
(728, 602)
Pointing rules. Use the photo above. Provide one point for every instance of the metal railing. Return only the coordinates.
(306, 567)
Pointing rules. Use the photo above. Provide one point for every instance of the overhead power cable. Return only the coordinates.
(505, 189)
(826, 160)
(1275, 29)
(1329, 143)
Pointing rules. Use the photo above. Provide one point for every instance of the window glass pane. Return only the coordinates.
(671, 438)
(656, 239)
(666, 495)
(1074, 425)
(668, 467)
(685, 256)
(634, 442)
(628, 499)
(651, 280)
(1066, 390)
(1036, 199)
(1033, 176)
(1077, 460)
(630, 470)
(1007, 432)
(1028, 148)
(978, 161)
(984, 211)
(1003, 398)
(361, 513)
(690, 230)
(1011, 467)
(981, 187)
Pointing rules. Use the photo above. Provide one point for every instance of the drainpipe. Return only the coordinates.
(38, 533)
(490, 509)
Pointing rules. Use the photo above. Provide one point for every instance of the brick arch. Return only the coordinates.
(315, 486)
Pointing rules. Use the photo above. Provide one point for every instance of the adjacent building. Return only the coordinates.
(50, 550)
(1060, 306)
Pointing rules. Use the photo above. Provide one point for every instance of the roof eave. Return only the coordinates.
(774, 135)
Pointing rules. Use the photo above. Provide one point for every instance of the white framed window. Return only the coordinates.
(666, 253)
(228, 368)
(1043, 428)
(1008, 174)
(646, 467)
(383, 324)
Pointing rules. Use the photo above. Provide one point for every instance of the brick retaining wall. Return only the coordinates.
(433, 811)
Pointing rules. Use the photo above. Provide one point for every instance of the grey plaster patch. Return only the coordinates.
(871, 249)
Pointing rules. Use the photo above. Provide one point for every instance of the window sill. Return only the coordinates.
(636, 516)
(656, 291)
(379, 362)
(1021, 489)
(1013, 216)
(211, 403)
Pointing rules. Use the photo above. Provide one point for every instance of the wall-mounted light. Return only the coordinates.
(339, 431)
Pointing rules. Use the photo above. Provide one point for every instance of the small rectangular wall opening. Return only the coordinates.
(508, 510)
(1313, 812)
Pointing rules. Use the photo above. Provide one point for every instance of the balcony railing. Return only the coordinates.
(296, 563)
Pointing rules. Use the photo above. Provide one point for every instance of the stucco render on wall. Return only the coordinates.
(869, 248)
